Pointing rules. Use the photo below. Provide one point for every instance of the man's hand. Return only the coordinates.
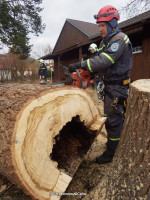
(74, 66)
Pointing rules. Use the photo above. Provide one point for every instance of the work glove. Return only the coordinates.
(74, 66)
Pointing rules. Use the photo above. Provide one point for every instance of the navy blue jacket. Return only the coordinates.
(43, 71)
(114, 59)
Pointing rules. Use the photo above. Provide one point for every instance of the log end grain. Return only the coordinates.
(41, 124)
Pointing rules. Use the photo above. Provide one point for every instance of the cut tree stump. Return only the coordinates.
(44, 135)
(129, 174)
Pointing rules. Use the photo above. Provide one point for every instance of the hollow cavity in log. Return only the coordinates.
(71, 144)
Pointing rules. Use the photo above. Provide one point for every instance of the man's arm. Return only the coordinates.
(107, 57)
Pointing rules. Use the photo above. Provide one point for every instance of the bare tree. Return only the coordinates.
(135, 7)
(43, 50)
(48, 49)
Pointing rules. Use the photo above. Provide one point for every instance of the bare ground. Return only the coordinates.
(86, 178)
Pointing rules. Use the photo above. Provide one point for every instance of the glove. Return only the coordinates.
(74, 66)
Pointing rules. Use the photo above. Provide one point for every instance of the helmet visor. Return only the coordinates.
(105, 15)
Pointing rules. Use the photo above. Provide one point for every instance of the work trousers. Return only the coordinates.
(114, 122)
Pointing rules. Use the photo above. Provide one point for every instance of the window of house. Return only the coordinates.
(137, 49)
(136, 40)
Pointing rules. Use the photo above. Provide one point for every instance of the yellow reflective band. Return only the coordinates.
(105, 54)
(125, 37)
(114, 139)
(127, 41)
(102, 47)
(122, 112)
(88, 64)
(105, 115)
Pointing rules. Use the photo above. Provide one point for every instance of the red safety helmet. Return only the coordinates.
(106, 14)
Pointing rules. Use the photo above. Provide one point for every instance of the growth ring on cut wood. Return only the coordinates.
(51, 136)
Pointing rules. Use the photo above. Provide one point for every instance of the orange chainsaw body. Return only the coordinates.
(82, 79)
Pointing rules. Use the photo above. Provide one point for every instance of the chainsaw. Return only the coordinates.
(80, 78)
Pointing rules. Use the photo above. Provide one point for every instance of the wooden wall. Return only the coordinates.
(141, 61)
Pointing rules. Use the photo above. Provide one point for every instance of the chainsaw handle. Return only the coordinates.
(67, 73)
(79, 77)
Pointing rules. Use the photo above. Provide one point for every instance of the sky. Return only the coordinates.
(55, 14)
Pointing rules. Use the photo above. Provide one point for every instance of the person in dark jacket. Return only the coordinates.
(114, 61)
(93, 49)
(42, 72)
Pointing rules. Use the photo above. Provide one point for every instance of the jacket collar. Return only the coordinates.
(108, 38)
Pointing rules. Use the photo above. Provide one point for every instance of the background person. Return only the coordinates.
(93, 49)
(98, 81)
(114, 61)
(42, 72)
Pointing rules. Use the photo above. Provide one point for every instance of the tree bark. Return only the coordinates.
(128, 176)
(44, 134)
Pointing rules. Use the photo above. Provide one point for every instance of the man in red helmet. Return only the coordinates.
(114, 61)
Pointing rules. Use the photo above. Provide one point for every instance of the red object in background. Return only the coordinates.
(81, 79)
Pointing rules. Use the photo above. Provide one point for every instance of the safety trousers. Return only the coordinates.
(113, 124)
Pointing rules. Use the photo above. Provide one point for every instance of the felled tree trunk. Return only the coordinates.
(129, 174)
(44, 135)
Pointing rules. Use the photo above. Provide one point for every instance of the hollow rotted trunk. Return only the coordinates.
(129, 174)
(44, 135)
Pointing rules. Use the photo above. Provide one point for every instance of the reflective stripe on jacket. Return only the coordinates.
(43, 71)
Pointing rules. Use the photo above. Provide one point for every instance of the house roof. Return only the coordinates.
(49, 55)
(135, 20)
(73, 33)
(91, 30)
(87, 28)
